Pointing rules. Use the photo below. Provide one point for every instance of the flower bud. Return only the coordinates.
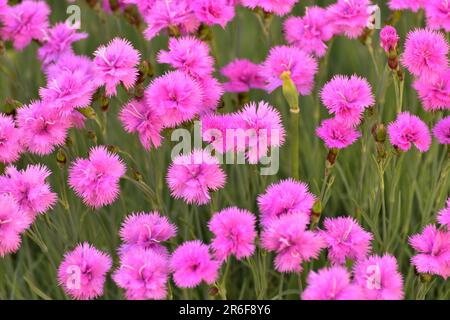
(379, 133)
(61, 158)
(290, 92)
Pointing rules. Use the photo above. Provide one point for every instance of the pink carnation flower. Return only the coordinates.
(293, 244)
(96, 179)
(212, 12)
(138, 117)
(82, 272)
(242, 75)
(442, 131)
(425, 52)
(302, 67)
(13, 222)
(192, 176)
(116, 63)
(331, 284)
(10, 146)
(176, 96)
(345, 239)
(279, 7)
(72, 64)
(433, 248)
(42, 127)
(29, 188)
(389, 38)
(143, 274)
(408, 129)
(444, 215)
(413, 5)
(190, 55)
(191, 263)
(347, 98)
(434, 91)
(285, 197)
(24, 22)
(234, 233)
(438, 13)
(337, 134)
(310, 32)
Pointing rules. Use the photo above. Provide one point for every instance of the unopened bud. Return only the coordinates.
(213, 291)
(137, 175)
(316, 212)
(425, 277)
(88, 112)
(61, 158)
(379, 133)
(290, 92)
(331, 157)
(113, 149)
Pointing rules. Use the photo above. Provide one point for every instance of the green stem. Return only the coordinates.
(295, 145)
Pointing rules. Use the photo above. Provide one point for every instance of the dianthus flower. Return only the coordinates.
(442, 131)
(10, 146)
(242, 75)
(413, 5)
(434, 91)
(389, 38)
(444, 215)
(279, 7)
(408, 129)
(337, 134)
(437, 12)
(212, 12)
(221, 131)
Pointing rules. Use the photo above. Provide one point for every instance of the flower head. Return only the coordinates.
(10, 147)
(191, 263)
(413, 5)
(408, 129)
(434, 90)
(337, 134)
(389, 38)
(82, 272)
(192, 176)
(96, 179)
(221, 131)
(442, 131)
(437, 12)
(444, 215)
(242, 75)
(212, 12)
(279, 7)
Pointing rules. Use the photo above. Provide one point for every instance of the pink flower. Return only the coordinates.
(42, 127)
(425, 52)
(285, 197)
(442, 131)
(116, 63)
(190, 55)
(351, 17)
(13, 222)
(146, 230)
(444, 215)
(82, 272)
(293, 244)
(192, 176)
(408, 129)
(96, 179)
(72, 64)
(437, 12)
(346, 239)
(58, 42)
(389, 38)
(176, 96)
(302, 67)
(221, 131)
(434, 90)
(24, 22)
(242, 75)
(234, 233)
(413, 5)
(143, 274)
(136, 116)
(212, 12)
(337, 134)
(310, 32)
(347, 98)
(29, 188)
(433, 248)
(212, 92)
(10, 147)
(191, 263)
(331, 284)
(279, 7)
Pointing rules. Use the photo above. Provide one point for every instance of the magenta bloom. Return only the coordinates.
(310, 32)
(192, 176)
(176, 96)
(425, 52)
(138, 117)
(302, 67)
(146, 230)
(29, 188)
(347, 97)
(331, 284)
(285, 197)
(337, 134)
(83, 271)
(438, 12)
(222, 131)
(143, 274)
(413, 5)
(191, 263)
(190, 55)
(13, 222)
(279, 7)
(293, 244)
(444, 215)
(346, 239)
(389, 38)
(433, 248)
(116, 63)
(10, 147)
(58, 42)
(434, 91)
(242, 75)
(234, 233)
(442, 131)
(24, 22)
(96, 179)
(212, 12)
(408, 129)
(351, 17)
(42, 127)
